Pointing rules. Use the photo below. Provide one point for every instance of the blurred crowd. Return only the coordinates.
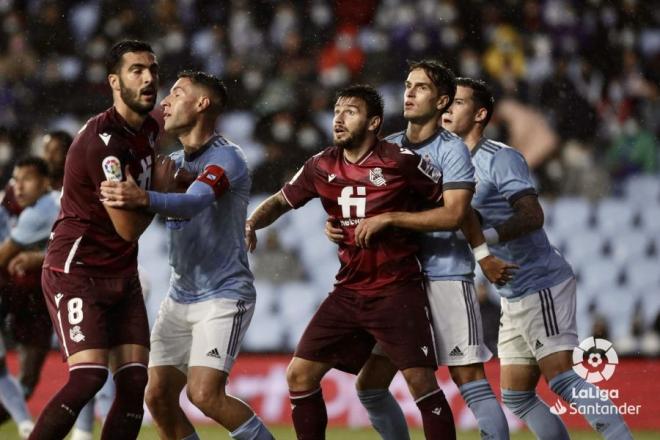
(576, 81)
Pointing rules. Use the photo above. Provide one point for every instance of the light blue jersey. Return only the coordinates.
(502, 179)
(445, 255)
(34, 223)
(207, 252)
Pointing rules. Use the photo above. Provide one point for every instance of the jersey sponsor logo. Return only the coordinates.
(105, 137)
(112, 169)
(428, 169)
(144, 179)
(347, 201)
(376, 177)
(331, 177)
(76, 334)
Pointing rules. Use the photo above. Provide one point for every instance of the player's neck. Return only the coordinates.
(417, 132)
(132, 118)
(473, 137)
(193, 139)
(358, 153)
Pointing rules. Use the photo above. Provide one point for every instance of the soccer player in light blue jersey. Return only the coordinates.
(446, 258)
(202, 322)
(538, 328)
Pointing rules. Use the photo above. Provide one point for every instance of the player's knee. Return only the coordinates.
(299, 379)
(467, 373)
(87, 381)
(158, 399)
(421, 381)
(131, 380)
(207, 399)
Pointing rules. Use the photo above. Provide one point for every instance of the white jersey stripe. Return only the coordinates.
(72, 253)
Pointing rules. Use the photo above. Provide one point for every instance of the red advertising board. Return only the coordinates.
(260, 380)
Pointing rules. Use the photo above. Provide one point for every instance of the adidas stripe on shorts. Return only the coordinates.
(538, 324)
(204, 334)
(457, 323)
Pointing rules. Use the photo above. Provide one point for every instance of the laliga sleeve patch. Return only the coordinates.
(429, 170)
(112, 169)
(215, 177)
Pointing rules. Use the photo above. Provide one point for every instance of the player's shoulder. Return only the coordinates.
(396, 138)
(389, 151)
(98, 130)
(451, 142)
(326, 156)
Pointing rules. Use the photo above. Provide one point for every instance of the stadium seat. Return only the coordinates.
(643, 189)
(650, 218)
(644, 274)
(297, 301)
(571, 215)
(583, 248)
(618, 306)
(629, 245)
(615, 215)
(600, 276)
(265, 334)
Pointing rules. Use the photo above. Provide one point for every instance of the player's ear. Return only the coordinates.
(481, 114)
(203, 103)
(375, 123)
(443, 100)
(113, 80)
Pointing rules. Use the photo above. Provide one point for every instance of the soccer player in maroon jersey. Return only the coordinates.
(90, 278)
(379, 294)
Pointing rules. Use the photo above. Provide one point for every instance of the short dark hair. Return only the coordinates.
(113, 61)
(440, 75)
(481, 94)
(62, 137)
(367, 93)
(212, 84)
(33, 161)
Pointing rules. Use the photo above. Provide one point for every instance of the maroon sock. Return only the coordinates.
(436, 416)
(309, 415)
(56, 420)
(125, 417)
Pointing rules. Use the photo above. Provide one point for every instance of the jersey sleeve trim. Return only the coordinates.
(520, 194)
(458, 185)
(286, 198)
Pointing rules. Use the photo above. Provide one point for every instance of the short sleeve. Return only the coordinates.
(33, 227)
(510, 174)
(457, 167)
(105, 160)
(422, 176)
(301, 189)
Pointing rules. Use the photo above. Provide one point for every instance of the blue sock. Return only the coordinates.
(85, 420)
(385, 414)
(486, 409)
(253, 429)
(11, 396)
(192, 436)
(536, 415)
(575, 390)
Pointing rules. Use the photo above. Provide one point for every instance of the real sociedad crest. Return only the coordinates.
(376, 177)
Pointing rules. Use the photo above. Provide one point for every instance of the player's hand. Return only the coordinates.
(24, 262)
(126, 195)
(164, 174)
(250, 237)
(182, 180)
(497, 271)
(369, 227)
(334, 234)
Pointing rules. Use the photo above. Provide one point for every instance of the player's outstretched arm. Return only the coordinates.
(266, 213)
(528, 217)
(496, 271)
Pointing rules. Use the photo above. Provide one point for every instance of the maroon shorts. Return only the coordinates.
(346, 326)
(27, 315)
(95, 312)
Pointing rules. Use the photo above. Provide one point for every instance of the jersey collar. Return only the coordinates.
(195, 154)
(479, 144)
(405, 142)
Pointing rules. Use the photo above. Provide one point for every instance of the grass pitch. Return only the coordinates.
(8, 432)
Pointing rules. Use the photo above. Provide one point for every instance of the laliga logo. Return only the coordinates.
(601, 360)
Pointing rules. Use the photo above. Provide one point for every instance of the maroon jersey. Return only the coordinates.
(388, 178)
(84, 240)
